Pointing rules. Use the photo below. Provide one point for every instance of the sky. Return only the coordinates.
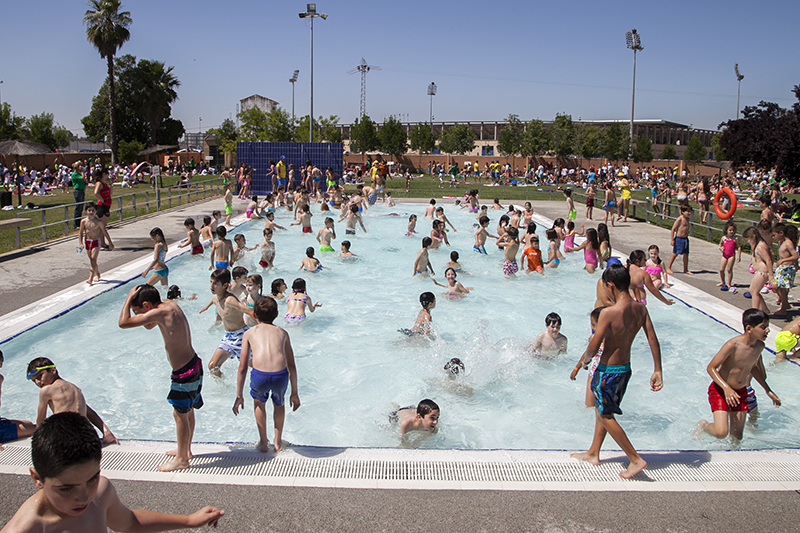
(488, 59)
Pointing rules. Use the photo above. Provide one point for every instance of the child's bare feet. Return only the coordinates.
(586, 456)
(720, 284)
(278, 445)
(263, 447)
(669, 271)
(687, 272)
(173, 465)
(633, 469)
(173, 453)
(699, 430)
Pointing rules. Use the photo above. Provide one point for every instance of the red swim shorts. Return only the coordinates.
(716, 397)
(197, 250)
(306, 229)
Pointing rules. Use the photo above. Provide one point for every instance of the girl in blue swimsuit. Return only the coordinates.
(158, 266)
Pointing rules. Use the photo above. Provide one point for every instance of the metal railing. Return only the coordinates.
(127, 207)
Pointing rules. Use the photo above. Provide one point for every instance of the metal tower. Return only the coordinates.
(363, 68)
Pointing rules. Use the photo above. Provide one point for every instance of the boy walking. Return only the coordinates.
(144, 307)
(680, 240)
(221, 250)
(616, 329)
(481, 234)
(325, 234)
(92, 233)
(730, 370)
(273, 368)
(232, 312)
(192, 237)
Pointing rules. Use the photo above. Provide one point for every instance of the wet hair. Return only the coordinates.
(552, 319)
(270, 215)
(570, 225)
(156, 232)
(254, 198)
(411, 217)
(426, 241)
(618, 276)
(595, 314)
(568, 193)
(455, 366)
(147, 293)
(426, 299)
(654, 247)
(346, 245)
(239, 236)
(299, 285)
(239, 272)
(276, 286)
(551, 234)
(753, 317)
(256, 279)
(40, 362)
(635, 257)
(173, 292)
(353, 208)
(512, 232)
(504, 220)
(206, 220)
(62, 441)
(221, 232)
(729, 224)
(449, 268)
(483, 220)
(189, 222)
(328, 219)
(310, 251)
(222, 275)
(433, 202)
(591, 236)
(531, 228)
(268, 231)
(602, 233)
(558, 223)
(426, 407)
(764, 225)
(265, 309)
(440, 209)
(454, 256)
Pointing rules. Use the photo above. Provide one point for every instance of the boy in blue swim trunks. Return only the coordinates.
(221, 250)
(273, 369)
(13, 429)
(144, 307)
(617, 326)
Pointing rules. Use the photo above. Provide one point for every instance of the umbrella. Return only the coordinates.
(158, 148)
(21, 148)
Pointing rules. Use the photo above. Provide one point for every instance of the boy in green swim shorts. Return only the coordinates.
(617, 326)
(325, 234)
(572, 213)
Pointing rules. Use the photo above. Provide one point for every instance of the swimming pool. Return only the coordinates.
(352, 362)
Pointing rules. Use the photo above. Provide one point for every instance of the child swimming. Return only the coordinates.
(455, 287)
(310, 263)
(425, 417)
(550, 342)
(422, 326)
(412, 225)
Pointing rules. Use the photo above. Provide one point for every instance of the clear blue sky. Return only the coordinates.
(488, 59)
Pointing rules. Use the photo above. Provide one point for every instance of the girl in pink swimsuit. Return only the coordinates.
(654, 267)
(590, 247)
(728, 246)
(569, 238)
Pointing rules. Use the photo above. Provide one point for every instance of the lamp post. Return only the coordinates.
(739, 78)
(1, 96)
(431, 93)
(292, 80)
(634, 43)
(311, 12)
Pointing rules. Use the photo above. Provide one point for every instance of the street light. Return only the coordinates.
(1, 96)
(432, 93)
(311, 12)
(634, 43)
(739, 78)
(292, 80)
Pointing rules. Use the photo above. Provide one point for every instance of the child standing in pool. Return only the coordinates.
(241, 247)
(221, 251)
(534, 255)
(267, 250)
(325, 234)
(206, 233)
(422, 263)
(510, 245)
(455, 287)
(232, 312)
(730, 370)
(569, 238)
(353, 217)
(192, 237)
(481, 234)
(655, 267)
(304, 218)
(253, 288)
(553, 259)
(412, 226)
(589, 363)
(591, 248)
(550, 342)
(422, 326)
(616, 329)
(158, 266)
(298, 302)
(310, 263)
(92, 233)
(346, 250)
(269, 222)
(273, 368)
(144, 307)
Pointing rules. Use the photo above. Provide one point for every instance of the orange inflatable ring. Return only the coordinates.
(718, 203)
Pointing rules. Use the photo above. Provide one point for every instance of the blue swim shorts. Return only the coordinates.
(8, 430)
(608, 386)
(480, 249)
(264, 384)
(681, 246)
(186, 385)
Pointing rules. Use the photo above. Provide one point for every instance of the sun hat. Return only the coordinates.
(785, 341)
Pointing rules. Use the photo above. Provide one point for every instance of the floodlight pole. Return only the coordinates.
(431, 93)
(292, 80)
(634, 43)
(311, 12)
(739, 79)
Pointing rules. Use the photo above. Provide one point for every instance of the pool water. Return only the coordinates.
(353, 364)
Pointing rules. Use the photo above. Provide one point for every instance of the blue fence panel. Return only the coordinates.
(257, 155)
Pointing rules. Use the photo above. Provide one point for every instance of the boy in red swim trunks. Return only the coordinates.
(92, 233)
(192, 237)
(731, 368)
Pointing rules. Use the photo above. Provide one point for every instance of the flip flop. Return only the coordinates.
(747, 294)
(723, 288)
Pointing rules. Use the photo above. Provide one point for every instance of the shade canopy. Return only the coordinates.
(21, 148)
(158, 149)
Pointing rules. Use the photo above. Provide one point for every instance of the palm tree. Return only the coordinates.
(107, 30)
(154, 88)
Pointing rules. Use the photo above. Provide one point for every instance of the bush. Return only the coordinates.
(129, 151)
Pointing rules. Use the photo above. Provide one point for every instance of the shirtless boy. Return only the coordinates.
(304, 218)
(352, 217)
(192, 237)
(551, 341)
(13, 429)
(91, 234)
(730, 370)
(221, 250)
(422, 264)
(272, 370)
(510, 245)
(616, 329)
(267, 250)
(481, 234)
(269, 222)
(425, 417)
(680, 240)
(325, 234)
(144, 307)
(73, 496)
(62, 396)
(232, 312)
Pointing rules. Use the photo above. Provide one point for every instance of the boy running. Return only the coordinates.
(232, 312)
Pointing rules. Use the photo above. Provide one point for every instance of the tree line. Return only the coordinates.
(40, 128)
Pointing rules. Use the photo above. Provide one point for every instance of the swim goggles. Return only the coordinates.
(32, 374)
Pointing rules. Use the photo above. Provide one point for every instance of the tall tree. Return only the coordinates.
(363, 136)
(617, 142)
(535, 139)
(695, 151)
(43, 129)
(253, 125)
(226, 136)
(562, 135)
(422, 140)
(279, 126)
(509, 142)
(459, 139)
(154, 92)
(643, 153)
(591, 143)
(669, 152)
(717, 149)
(324, 129)
(107, 30)
(10, 124)
(392, 137)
